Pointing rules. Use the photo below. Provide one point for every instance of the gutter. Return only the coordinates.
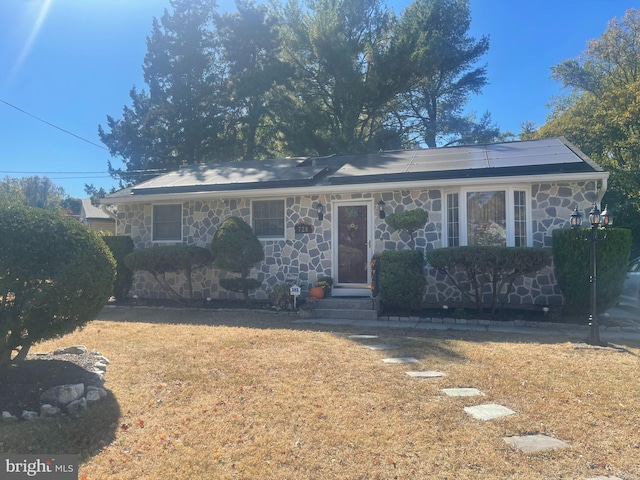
(378, 187)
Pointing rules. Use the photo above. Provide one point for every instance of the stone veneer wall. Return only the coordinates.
(303, 258)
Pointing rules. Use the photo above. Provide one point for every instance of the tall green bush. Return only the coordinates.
(402, 280)
(170, 259)
(236, 249)
(479, 270)
(571, 258)
(55, 276)
(120, 246)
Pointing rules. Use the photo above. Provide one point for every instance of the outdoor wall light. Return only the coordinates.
(381, 211)
(597, 219)
(320, 210)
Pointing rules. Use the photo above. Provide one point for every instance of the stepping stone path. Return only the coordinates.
(381, 346)
(400, 360)
(535, 443)
(426, 374)
(461, 392)
(490, 411)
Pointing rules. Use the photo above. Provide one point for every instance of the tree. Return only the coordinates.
(601, 113)
(344, 81)
(236, 249)
(439, 59)
(38, 192)
(250, 49)
(180, 120)
(55, 276)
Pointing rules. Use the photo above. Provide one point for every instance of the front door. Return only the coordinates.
(352, 237)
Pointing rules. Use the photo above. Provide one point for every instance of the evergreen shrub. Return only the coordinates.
(402, 280)
(571, 257)
(120, 246)
(55, 276)
(478, 270)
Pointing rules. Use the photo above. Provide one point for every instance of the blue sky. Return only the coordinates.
(73, 62)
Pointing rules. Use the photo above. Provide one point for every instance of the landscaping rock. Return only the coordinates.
(94, 394)
(63, 394)
(77, 407)
(73, 350)
(48, 410)
(29, 415)
(6, 416)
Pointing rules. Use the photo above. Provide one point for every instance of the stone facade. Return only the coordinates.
(303, 258)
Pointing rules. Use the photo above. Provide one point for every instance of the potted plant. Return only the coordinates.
(325, 283)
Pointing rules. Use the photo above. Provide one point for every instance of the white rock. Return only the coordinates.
(63, 394)
(101, 391)
(103, 359)
(101, 366)
(8, 416)
(28, 415)
(77, 407)
(48, 410)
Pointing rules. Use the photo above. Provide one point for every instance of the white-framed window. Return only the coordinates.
(488, 216)
(167, 223)
(268, 219)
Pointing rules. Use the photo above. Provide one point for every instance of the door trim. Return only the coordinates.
(351, 289)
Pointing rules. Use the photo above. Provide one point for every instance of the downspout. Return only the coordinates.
(602, 191)
(104, 208)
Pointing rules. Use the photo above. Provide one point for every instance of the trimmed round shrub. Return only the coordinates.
(236, 249)
(55, 276)
(120, 246)
(571, 257)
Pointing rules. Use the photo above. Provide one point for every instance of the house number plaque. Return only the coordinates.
(303, 228)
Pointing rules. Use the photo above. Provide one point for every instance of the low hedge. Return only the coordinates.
(479, 270)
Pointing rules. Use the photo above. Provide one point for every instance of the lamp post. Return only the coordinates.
(597, 219)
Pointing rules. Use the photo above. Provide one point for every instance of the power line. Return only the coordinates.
(53, 125)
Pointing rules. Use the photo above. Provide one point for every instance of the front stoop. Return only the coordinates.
(348, 308)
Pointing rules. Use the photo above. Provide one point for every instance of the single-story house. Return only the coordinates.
(325, 216)
(96, 218)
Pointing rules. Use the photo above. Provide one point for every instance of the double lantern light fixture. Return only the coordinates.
(597, 219)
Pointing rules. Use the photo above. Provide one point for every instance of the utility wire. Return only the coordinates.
(52, 125)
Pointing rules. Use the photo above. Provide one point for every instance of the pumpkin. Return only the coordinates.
(316, 292)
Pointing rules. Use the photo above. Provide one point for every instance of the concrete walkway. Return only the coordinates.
(571, 332)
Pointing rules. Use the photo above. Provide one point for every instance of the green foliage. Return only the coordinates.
(299, 78)
(239, 284)
(479, 270)
(409, 221)
(572, 266)
(236, 249)
(38, 192)
(280, 297)
(55, 276)
(402, 280)
(171, 258)
(601, 110)
(120, 246)
(325, 283)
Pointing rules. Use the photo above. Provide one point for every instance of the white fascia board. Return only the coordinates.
(357, 188)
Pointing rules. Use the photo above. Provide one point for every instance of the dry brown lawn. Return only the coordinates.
(201, 395)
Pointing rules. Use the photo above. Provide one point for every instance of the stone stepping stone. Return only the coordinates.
(535, 443)
(363, 337)
(462, 392)
(400, 360)
(425, 374)
(381, 346)
(489, 411)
